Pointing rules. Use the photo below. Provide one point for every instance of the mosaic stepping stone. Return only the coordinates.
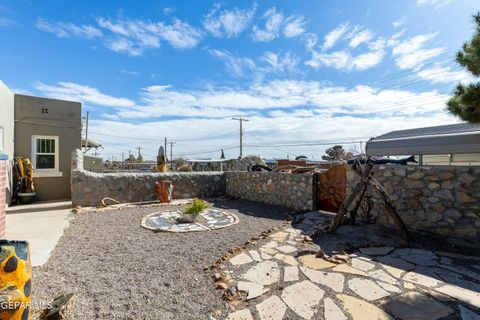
(395, 266)
(418, 306)
(167, 221)
(265, 256)
(240, 259)
(264, 273)
(272, 308)
(279, 236)
(332, 280)
(269, 251)
(303, 298)
(253, 289)
(270, 244)
(362, 310)
(244, 314)
(383, 276)
(367, 289)
(332, 311)
(312, 262)
(389, 287)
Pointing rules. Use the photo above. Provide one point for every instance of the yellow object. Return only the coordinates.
(15, 280)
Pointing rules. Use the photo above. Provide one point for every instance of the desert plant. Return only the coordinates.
(196, 207)
(185, 168)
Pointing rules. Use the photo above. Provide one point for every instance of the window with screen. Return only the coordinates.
(45, 155)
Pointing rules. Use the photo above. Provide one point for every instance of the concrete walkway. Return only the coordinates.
(41, 224)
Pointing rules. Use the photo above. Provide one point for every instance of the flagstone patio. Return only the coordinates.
(292, 281)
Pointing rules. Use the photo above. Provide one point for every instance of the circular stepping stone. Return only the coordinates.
(303, 298)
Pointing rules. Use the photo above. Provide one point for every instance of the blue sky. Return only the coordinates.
(303, 72)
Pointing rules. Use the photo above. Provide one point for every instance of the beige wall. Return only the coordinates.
(7, 123)
(63, 120)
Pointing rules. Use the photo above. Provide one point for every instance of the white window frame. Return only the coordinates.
(45, 172)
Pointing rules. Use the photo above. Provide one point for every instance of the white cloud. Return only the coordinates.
(77, 92)
(334, 35)
(279, 64)
(272, 26)
(360, 37)
(444, 74)
(436, 3)
(411, 54)
(235, 65)
(68, 30)
(399, 22)
(295, 26)
(228, 23)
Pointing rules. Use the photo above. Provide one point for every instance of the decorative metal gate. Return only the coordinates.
(330, 188)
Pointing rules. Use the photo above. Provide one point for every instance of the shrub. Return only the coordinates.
(196, 207)
(185, 168)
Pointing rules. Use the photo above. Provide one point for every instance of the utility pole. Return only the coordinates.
(165, 150)
(86, 133)
(139, 151)
(123, 160)
(241, 134)
(171, 154)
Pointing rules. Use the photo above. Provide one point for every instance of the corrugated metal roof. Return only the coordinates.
(456, 138)
(431, 131)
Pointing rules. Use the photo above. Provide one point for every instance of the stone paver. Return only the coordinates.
(253, 289)
(270, 244)
(395, 266)
(240, 259)
(312, 262)
(367, 289)
(389, 287)
(414, 305)
(332, 280)
(362, 310)
(287, 259)
(409, 286)
(279, 236)
(265, 256)
(464, 295)
(383, 276)
(286, 249)
(421, 278)
(303, 298)
(240, 315)
(468, 314)
(264, 273)
(269, 251)
(290, 274)
(347, 269)
(272, 308)
(362, 264)
(376, 251)
(418, 256)
(255, 255)
(332, 311)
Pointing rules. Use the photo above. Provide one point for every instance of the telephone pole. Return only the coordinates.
(241, 134)
(171, 154)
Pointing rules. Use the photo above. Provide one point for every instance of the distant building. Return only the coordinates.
(208, 164)
(322, 164)
(456, 144)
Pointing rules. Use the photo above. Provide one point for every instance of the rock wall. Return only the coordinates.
(442, 200)
(89, 188)
(284, 189)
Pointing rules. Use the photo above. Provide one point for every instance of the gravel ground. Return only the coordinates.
(120, 270)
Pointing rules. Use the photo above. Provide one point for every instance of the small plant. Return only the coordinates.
(196, 207)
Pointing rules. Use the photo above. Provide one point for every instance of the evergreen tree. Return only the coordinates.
(334, 153)
(466, 100)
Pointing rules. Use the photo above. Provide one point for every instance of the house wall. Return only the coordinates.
(3, 194)
(440, 200)
(7, 123)
(94, 164)
(63, 120)
(283, 189)
(89, 188)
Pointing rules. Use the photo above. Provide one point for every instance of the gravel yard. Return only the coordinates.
(120, 270)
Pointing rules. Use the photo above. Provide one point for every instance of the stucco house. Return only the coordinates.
(46, 131)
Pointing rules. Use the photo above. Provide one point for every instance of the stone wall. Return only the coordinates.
(89, 188)
(284, 189)
(442, 200)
